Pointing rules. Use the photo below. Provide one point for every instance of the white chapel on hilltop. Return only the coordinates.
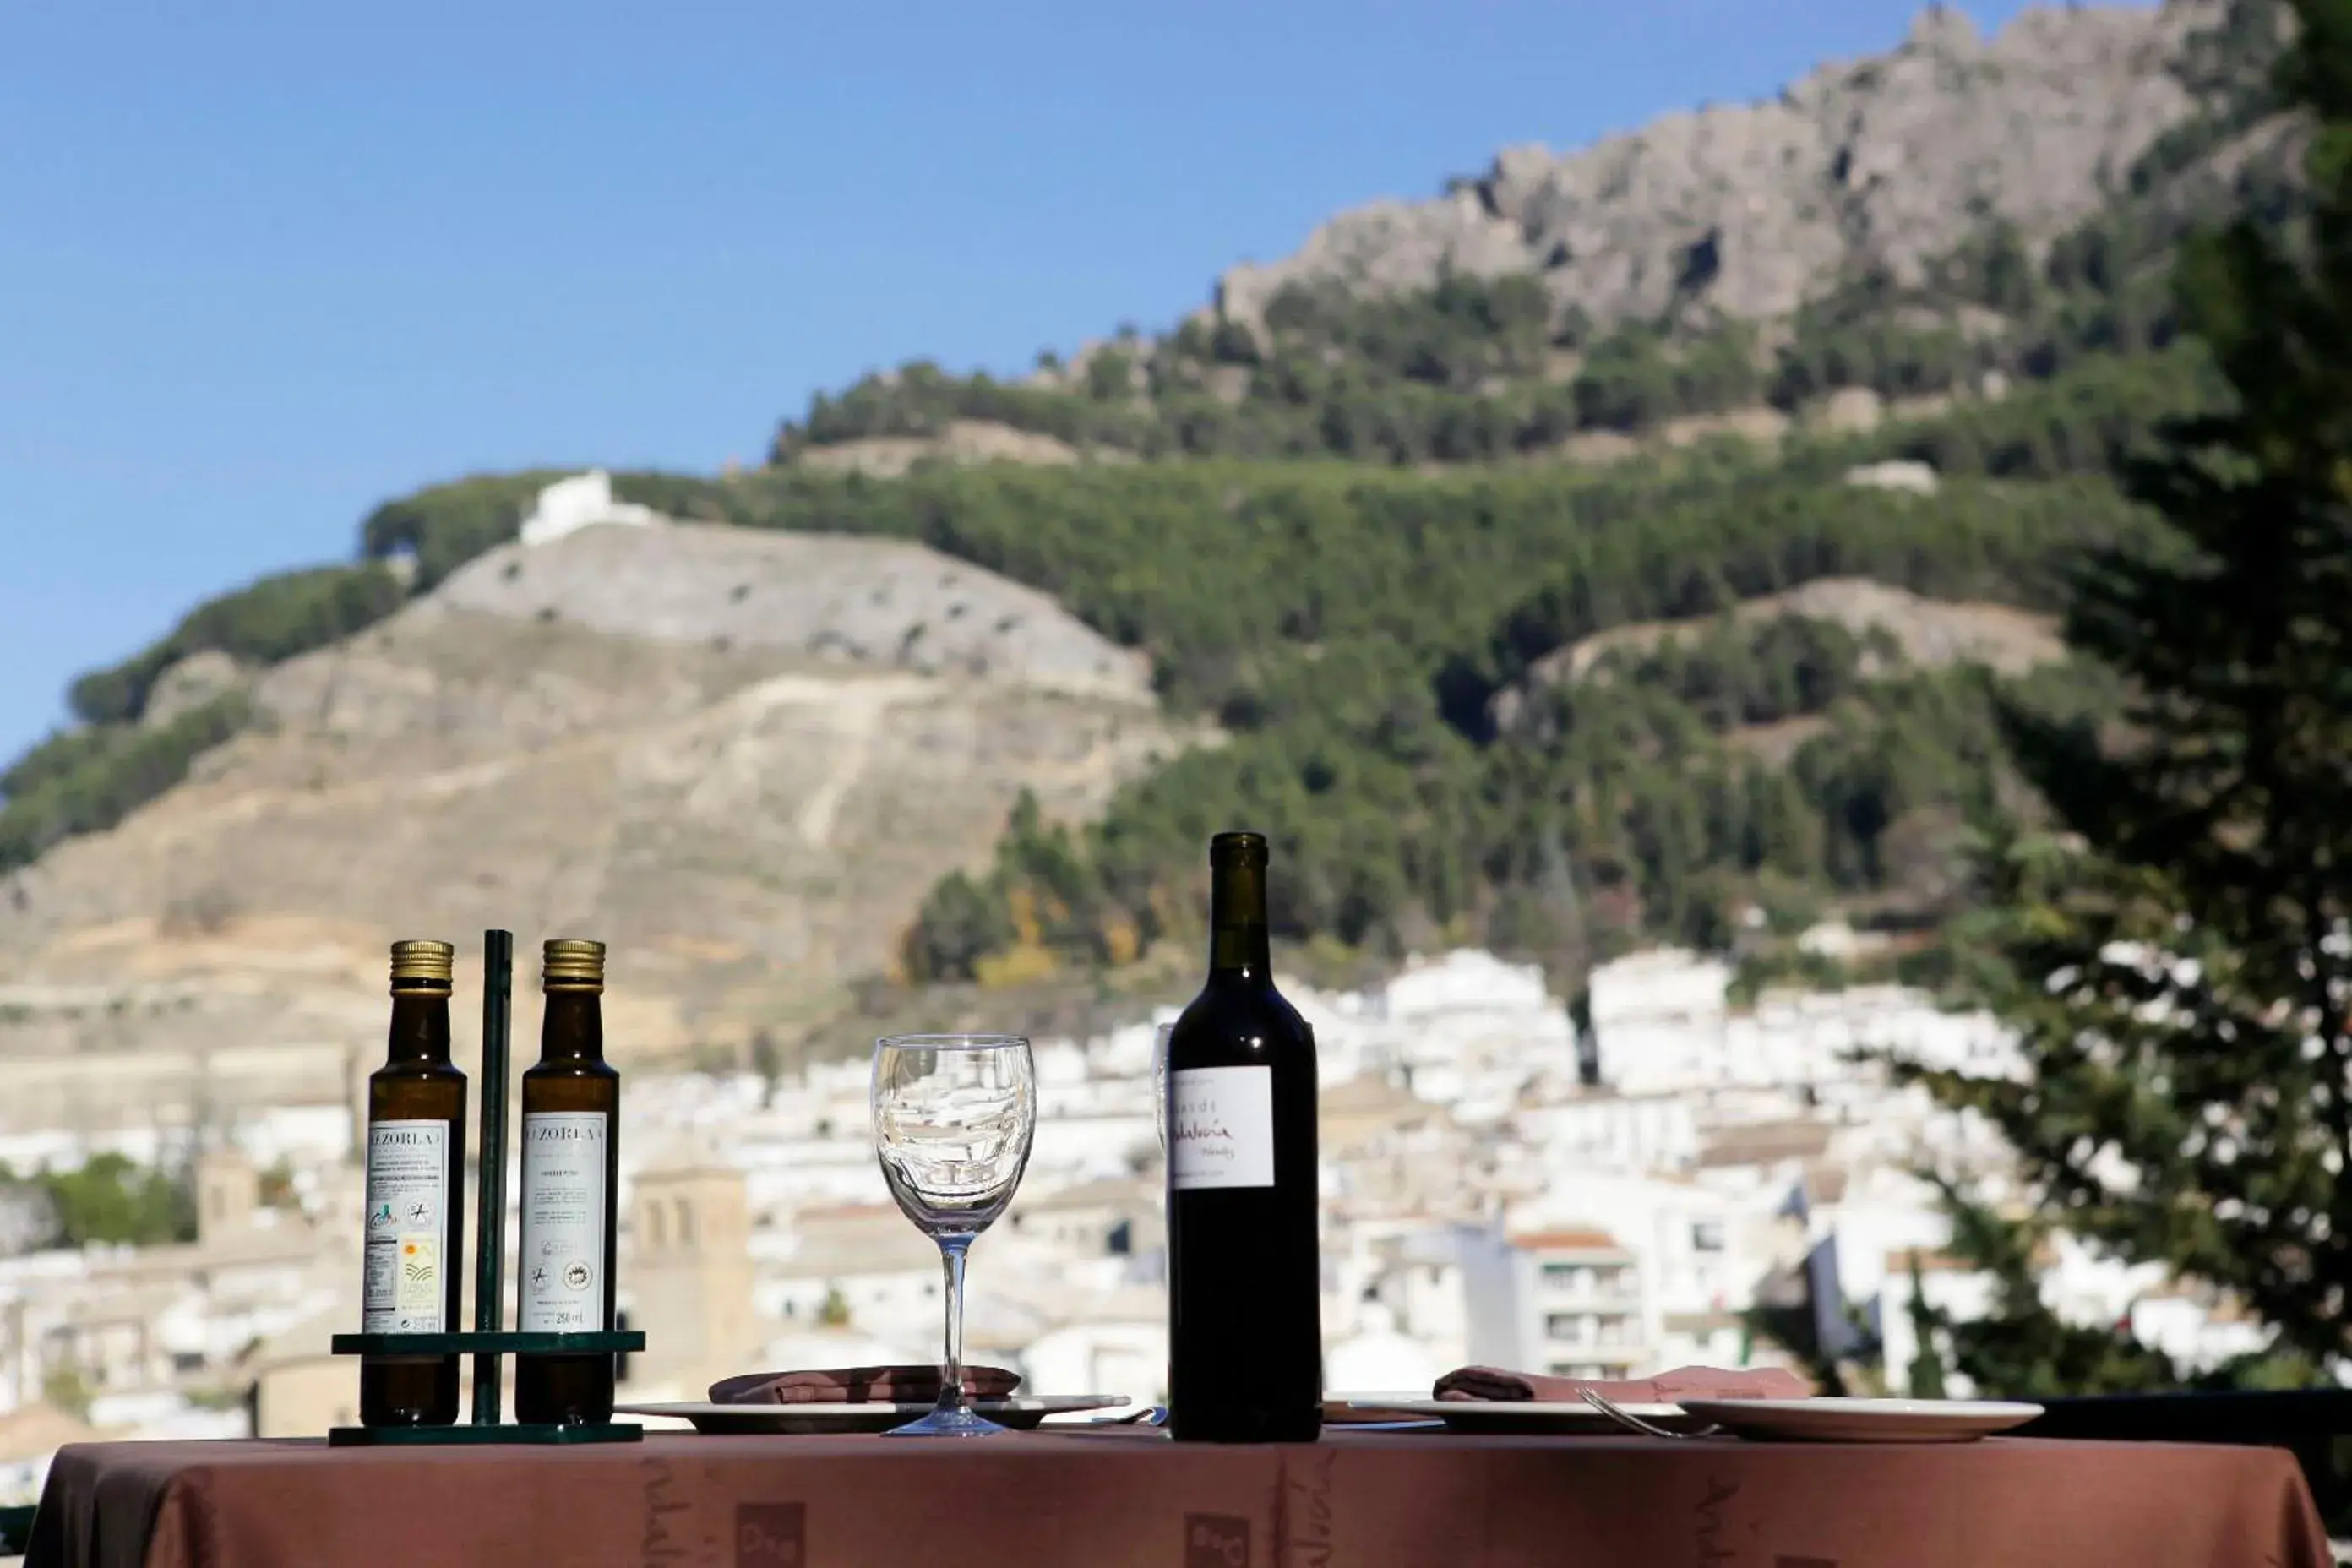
(584, 501)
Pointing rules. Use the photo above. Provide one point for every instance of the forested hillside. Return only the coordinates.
(1350, 529)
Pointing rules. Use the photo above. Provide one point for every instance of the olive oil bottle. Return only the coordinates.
(415, 1226)
(571, 1153)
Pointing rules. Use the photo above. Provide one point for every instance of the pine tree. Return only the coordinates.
(1926, 1374)
(2019, 1349)
(2177, 958)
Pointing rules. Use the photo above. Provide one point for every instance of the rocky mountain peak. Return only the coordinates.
(1888, 161)
(1942, 27)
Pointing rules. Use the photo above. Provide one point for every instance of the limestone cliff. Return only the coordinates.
(1885, 162)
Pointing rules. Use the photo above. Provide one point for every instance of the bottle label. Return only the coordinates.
(564, 1208)
(1221, 1128)
(403, 1288)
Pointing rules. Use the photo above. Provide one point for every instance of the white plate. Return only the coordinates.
(1022, 1412)
(1864, 1420)
(1529, 1415)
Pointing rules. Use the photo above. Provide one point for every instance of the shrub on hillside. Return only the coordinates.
(272, 619)
(87, 780)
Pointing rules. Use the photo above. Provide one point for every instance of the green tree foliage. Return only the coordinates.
(1353, 628)
(1737, 673)
(1446, 395)
(2087, 421)
(768, 1062)
(1460, 372)
(1925, 1377)
(1458, 333)
(962, 922)
(2231, 68)
(1351, 631)
(921, 399)
(111, 1199)
(273, 619)
(2178, 968)
(66, 1389)
(86, 780)
(446, 525)
(2019, 1349)
(2076, 424)
(1855, 340)
(89, 778)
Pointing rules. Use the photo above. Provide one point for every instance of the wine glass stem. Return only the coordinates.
(951, 1251)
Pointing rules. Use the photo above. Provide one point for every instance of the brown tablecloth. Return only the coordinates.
(1100, 1500)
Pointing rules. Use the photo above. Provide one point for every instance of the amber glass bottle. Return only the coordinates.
(415, 1227)
(571, 1153)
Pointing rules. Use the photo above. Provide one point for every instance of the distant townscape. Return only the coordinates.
(1496, 1191)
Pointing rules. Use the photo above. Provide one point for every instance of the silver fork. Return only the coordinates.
(1632, 1423)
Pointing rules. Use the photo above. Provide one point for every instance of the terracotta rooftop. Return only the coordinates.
(1765, 1142)
(1566, 1241)
(822, 1212)
(1898, 1261)
(1102, 1192)
(1368, 1092)
(33, 1430)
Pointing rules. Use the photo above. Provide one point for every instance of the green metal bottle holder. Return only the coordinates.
(490, 1342)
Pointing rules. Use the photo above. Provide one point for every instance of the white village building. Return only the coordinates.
(584, 501)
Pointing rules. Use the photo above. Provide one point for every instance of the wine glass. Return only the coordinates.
(953, 1117)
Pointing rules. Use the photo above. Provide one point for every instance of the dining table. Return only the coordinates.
(1105, 1495)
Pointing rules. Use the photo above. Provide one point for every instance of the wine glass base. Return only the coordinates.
(956, 1423)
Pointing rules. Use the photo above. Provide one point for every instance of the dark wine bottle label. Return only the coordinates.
(564, 1207)
(404, 1291)
(1221, 1128)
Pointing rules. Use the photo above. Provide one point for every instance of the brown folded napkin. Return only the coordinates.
(859, 1385)
(1666, 1388)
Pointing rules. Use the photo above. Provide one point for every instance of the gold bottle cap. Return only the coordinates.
(425, 961)
(571, 965)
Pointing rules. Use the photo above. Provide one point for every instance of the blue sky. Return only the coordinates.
(264, 265)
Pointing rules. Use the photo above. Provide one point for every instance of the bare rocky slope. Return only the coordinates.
(1932, 633)
(740, 758)
(1889, 161)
